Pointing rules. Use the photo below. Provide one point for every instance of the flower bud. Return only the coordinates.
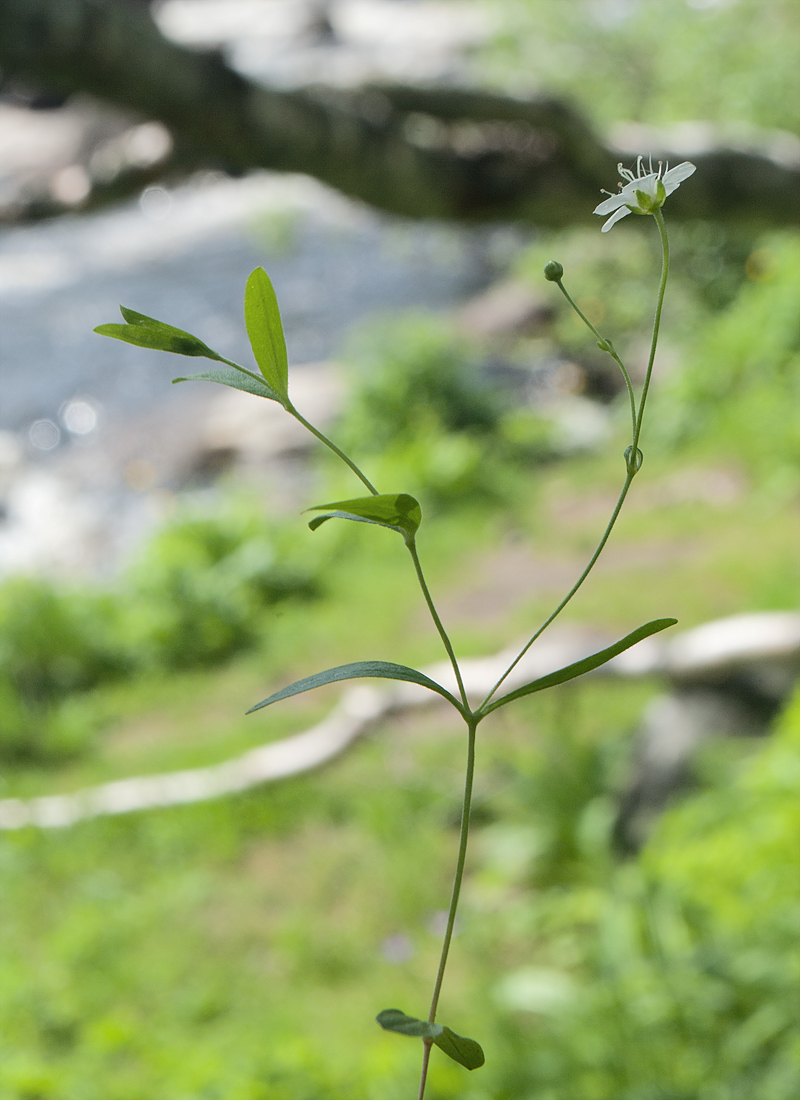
(633, 464)
(553, 271)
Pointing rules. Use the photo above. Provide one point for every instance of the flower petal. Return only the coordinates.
(677, 175)
(621, 213)
(607, 205)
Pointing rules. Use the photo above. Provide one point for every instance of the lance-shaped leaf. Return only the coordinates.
(398, 511)
(466, 1052)
(579, 668)
(264, 327)
(382, 670)
(146, 332)
(236, 379)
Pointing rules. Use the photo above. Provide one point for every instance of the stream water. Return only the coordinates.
(182, 254)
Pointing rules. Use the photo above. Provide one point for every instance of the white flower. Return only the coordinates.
(643, 193)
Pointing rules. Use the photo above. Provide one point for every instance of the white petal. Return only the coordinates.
(677, 175)
(648, 185)
(621, 213)
(607, 205)
(641, 183)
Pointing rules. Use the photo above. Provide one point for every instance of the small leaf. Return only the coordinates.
(263, 320)
(237, 380)
(146, 332)
(581, 667)
(382, 670)
(397, 511)
(466, 1052)
(392, 1019)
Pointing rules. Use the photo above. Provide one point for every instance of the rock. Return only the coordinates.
(506, 310)
(239, 431)
(729, 678)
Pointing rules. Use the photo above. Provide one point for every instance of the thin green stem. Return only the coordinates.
(426, 1057)
(606, 346)
(412, 549)
(662, 229)
(472, 726)
(332, 446)
(632, 463)
(306, 424)
(589, 567)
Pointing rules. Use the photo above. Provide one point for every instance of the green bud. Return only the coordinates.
(633, 464)
(553, 271)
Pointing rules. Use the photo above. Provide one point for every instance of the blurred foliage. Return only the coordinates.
(738, 389)
(683, 970)
(657, 61)
(198, 592)
(54, 644)
(428, 413)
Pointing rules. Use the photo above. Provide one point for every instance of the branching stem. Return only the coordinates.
(605, 345)
(632, 461)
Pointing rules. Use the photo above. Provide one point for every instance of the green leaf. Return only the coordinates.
(579, 668)
(146, 332)
(466, 1052)
(134, 318)
(397, 511)
(382, 670)
(237, 380)
(264, 327)
(392, 1019)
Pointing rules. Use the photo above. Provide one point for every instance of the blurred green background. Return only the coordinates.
(238, 950)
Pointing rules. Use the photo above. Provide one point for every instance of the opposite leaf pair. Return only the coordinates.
(466, 1052)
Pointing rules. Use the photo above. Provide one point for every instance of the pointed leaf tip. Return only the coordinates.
(146, 332)
(265, 330)
(580, 668)
(381, 670)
